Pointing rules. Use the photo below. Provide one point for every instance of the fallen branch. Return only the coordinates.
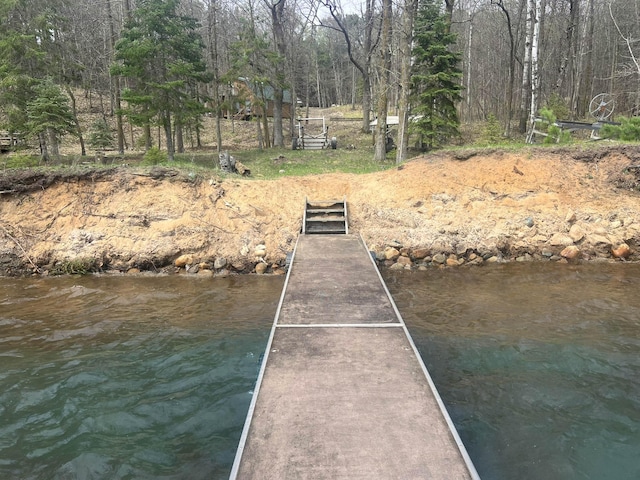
(24, 252)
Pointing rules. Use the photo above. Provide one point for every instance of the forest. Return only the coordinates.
(166, 63)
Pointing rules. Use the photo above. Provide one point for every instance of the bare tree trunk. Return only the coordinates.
(408, 14)
(277, 21)
(363, 67)
(535, 73)
(512, 68)
(74, 111)
(383, 84)
(168, 133)
(44, 150)
(115, 79)
(213, 49)
(525, 92)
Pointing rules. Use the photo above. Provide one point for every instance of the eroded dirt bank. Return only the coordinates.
(539, 204)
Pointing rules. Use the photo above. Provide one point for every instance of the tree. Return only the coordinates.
(435, 83)
(368, 45)
(160, 51)
(380, 152)
(407, 21)
(49, 117)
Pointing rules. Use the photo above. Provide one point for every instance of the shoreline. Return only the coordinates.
(440, 210)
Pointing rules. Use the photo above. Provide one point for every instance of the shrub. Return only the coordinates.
(154, 156)
(627, 131)
(492, 132)
(100, 136)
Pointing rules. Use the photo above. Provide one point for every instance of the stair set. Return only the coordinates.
(325, 217)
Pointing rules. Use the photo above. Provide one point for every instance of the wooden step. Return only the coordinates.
(325, 217)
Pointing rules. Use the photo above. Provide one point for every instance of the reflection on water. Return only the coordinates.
(151, 377)
(539, 365)
(105, 377)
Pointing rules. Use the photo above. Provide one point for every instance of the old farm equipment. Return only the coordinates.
(313, 134)
(601, 108)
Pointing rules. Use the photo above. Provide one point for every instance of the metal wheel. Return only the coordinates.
(601, 106)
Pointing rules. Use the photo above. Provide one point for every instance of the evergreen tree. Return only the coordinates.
(49, 117)
(160, 51)
(435, 78)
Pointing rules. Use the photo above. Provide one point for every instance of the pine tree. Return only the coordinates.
(160, 51)
(435, 78)
(49, 117)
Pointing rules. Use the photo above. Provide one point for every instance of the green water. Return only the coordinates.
(120, 378)
(539, 365)
(151, 377)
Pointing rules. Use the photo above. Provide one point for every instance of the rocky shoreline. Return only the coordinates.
(433, 212)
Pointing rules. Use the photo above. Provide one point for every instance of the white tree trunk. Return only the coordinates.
(526, 67)
(535, 73)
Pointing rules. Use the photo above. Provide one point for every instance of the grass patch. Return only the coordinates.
(78, 266)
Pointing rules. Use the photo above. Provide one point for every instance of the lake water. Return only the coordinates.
(151, 377)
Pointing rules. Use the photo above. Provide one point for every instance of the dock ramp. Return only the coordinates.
(342, 392)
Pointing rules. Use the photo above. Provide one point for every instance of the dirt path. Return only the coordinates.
(482, 206)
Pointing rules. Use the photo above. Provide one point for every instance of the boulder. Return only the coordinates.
(561, 240)
(420, 253)
(391, 253)
(576, 232)
(621, 251)
(219, 263)
(183, 260)
(260, 250)
(440, 258)
(261, 268)
(571, 252)
(404, 261)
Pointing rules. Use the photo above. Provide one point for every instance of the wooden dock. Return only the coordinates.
(342, 392)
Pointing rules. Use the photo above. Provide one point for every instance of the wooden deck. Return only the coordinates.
(342, 392)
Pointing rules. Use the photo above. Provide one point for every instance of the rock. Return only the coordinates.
(391, 253)
(261, 268)
(493, 259)
(260, 250)
(576, 232)
(621, 251)
(404, 261)
(571, 252)
(546, 253)
(420, 253)
(598, 240)
(396, 266)
(183, 260)
(380, 256)
(439, 258)
(194, 269)
(219, 263)
(240, 266)
(529, 222)
(571, 217)
(244, 250)
(452, 261)
(561, 240)
(133, 271)
(204, 266)
(404, 251)
(615, 224)
(205, 273)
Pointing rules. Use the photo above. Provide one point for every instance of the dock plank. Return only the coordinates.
(342, 393)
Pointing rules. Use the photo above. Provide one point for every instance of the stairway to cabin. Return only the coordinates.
(329, 216)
